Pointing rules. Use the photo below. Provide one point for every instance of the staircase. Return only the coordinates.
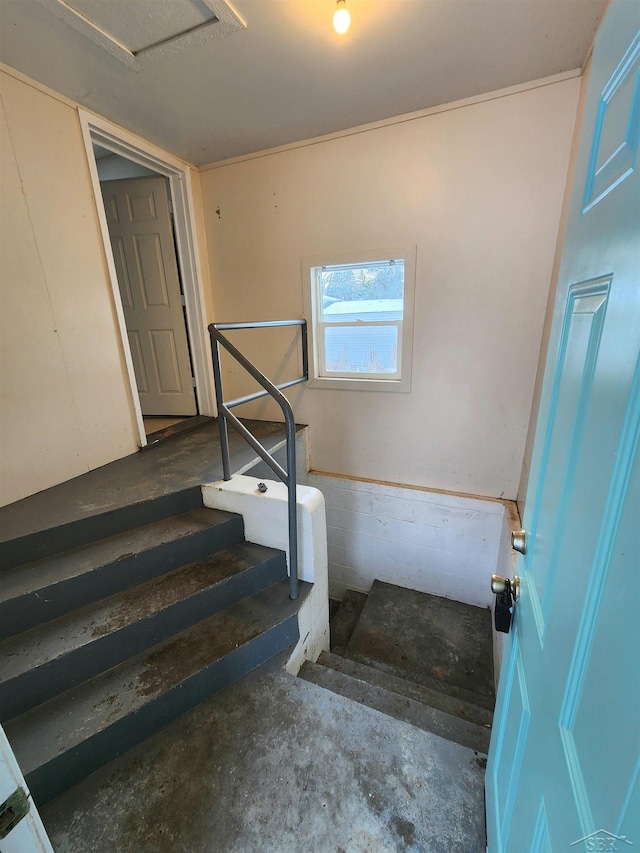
(113, 626)
(416, 657)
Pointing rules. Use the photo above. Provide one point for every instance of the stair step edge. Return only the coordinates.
(37, 737)
(61, 654)
(42, 591)
(421, 716)
(111, 549)
(60, 772)
(462, 693)
(45, 542)
(436, 698)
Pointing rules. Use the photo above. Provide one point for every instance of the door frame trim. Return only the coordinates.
(116, 139)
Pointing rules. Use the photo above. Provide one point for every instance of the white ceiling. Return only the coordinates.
(288, 75)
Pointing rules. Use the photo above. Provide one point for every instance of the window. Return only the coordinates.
(360, 308)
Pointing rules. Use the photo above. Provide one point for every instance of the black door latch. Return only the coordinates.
(503, 612)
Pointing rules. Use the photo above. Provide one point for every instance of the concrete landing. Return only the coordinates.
(188, 460)
(427, 640)
(419, 714)
(277, 765)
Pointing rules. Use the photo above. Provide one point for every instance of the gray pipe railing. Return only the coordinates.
(288, 477)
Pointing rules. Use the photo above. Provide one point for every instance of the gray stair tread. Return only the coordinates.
(346, 618)
(79, 628)
(479, 699)
(399, 707)
(59, 725)
(31, 577)
(424, 638)
(435, 698)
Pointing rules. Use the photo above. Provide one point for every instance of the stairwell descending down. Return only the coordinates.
(416, 657)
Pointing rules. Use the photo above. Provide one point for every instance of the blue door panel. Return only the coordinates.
(564, 758)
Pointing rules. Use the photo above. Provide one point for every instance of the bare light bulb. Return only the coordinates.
(341, 18)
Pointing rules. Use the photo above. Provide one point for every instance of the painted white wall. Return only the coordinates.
(64, 401)
(266, 523)
(535, 404)
(266, 520)
(478, 189)
(433, 542)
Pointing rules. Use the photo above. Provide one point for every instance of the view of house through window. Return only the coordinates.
(359, 309)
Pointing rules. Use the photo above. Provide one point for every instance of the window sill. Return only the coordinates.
(341, 384)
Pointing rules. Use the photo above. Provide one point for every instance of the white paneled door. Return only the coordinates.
(141, 234)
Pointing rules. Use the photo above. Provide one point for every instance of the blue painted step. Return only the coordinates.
(46, 541)
(33, 593)
(129, 619)
(60, 742)
(40, 663)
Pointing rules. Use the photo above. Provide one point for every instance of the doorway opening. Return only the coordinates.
(143, 200)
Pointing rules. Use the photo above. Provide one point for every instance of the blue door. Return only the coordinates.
(564, 761)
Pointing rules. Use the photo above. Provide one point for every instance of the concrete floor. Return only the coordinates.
(185, 461)
(276, 764)
(155, 424)
(427, 639)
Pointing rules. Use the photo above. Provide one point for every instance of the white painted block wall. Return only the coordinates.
(434, 542)
(266, 523)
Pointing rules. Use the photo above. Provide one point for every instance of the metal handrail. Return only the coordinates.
(288, 477)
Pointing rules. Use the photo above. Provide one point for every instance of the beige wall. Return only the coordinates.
(64, 399)
(478, 190)
(531, 432)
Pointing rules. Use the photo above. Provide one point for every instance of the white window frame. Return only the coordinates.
(400, 381)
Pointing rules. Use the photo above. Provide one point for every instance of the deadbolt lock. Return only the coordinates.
(519, 541)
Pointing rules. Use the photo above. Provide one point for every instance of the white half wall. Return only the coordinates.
(265, 517)
(443, 544)
(478, 190)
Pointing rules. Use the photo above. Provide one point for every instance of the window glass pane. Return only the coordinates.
(361, 349)
(369, 291)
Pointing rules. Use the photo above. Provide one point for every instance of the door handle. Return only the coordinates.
(507, 593)
(499, 585)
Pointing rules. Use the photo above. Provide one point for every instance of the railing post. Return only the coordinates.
(292, 503)
(222, 420)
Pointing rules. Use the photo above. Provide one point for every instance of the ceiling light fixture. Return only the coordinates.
(341, 18)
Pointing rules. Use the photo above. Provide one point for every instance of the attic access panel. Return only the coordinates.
(147, 30)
